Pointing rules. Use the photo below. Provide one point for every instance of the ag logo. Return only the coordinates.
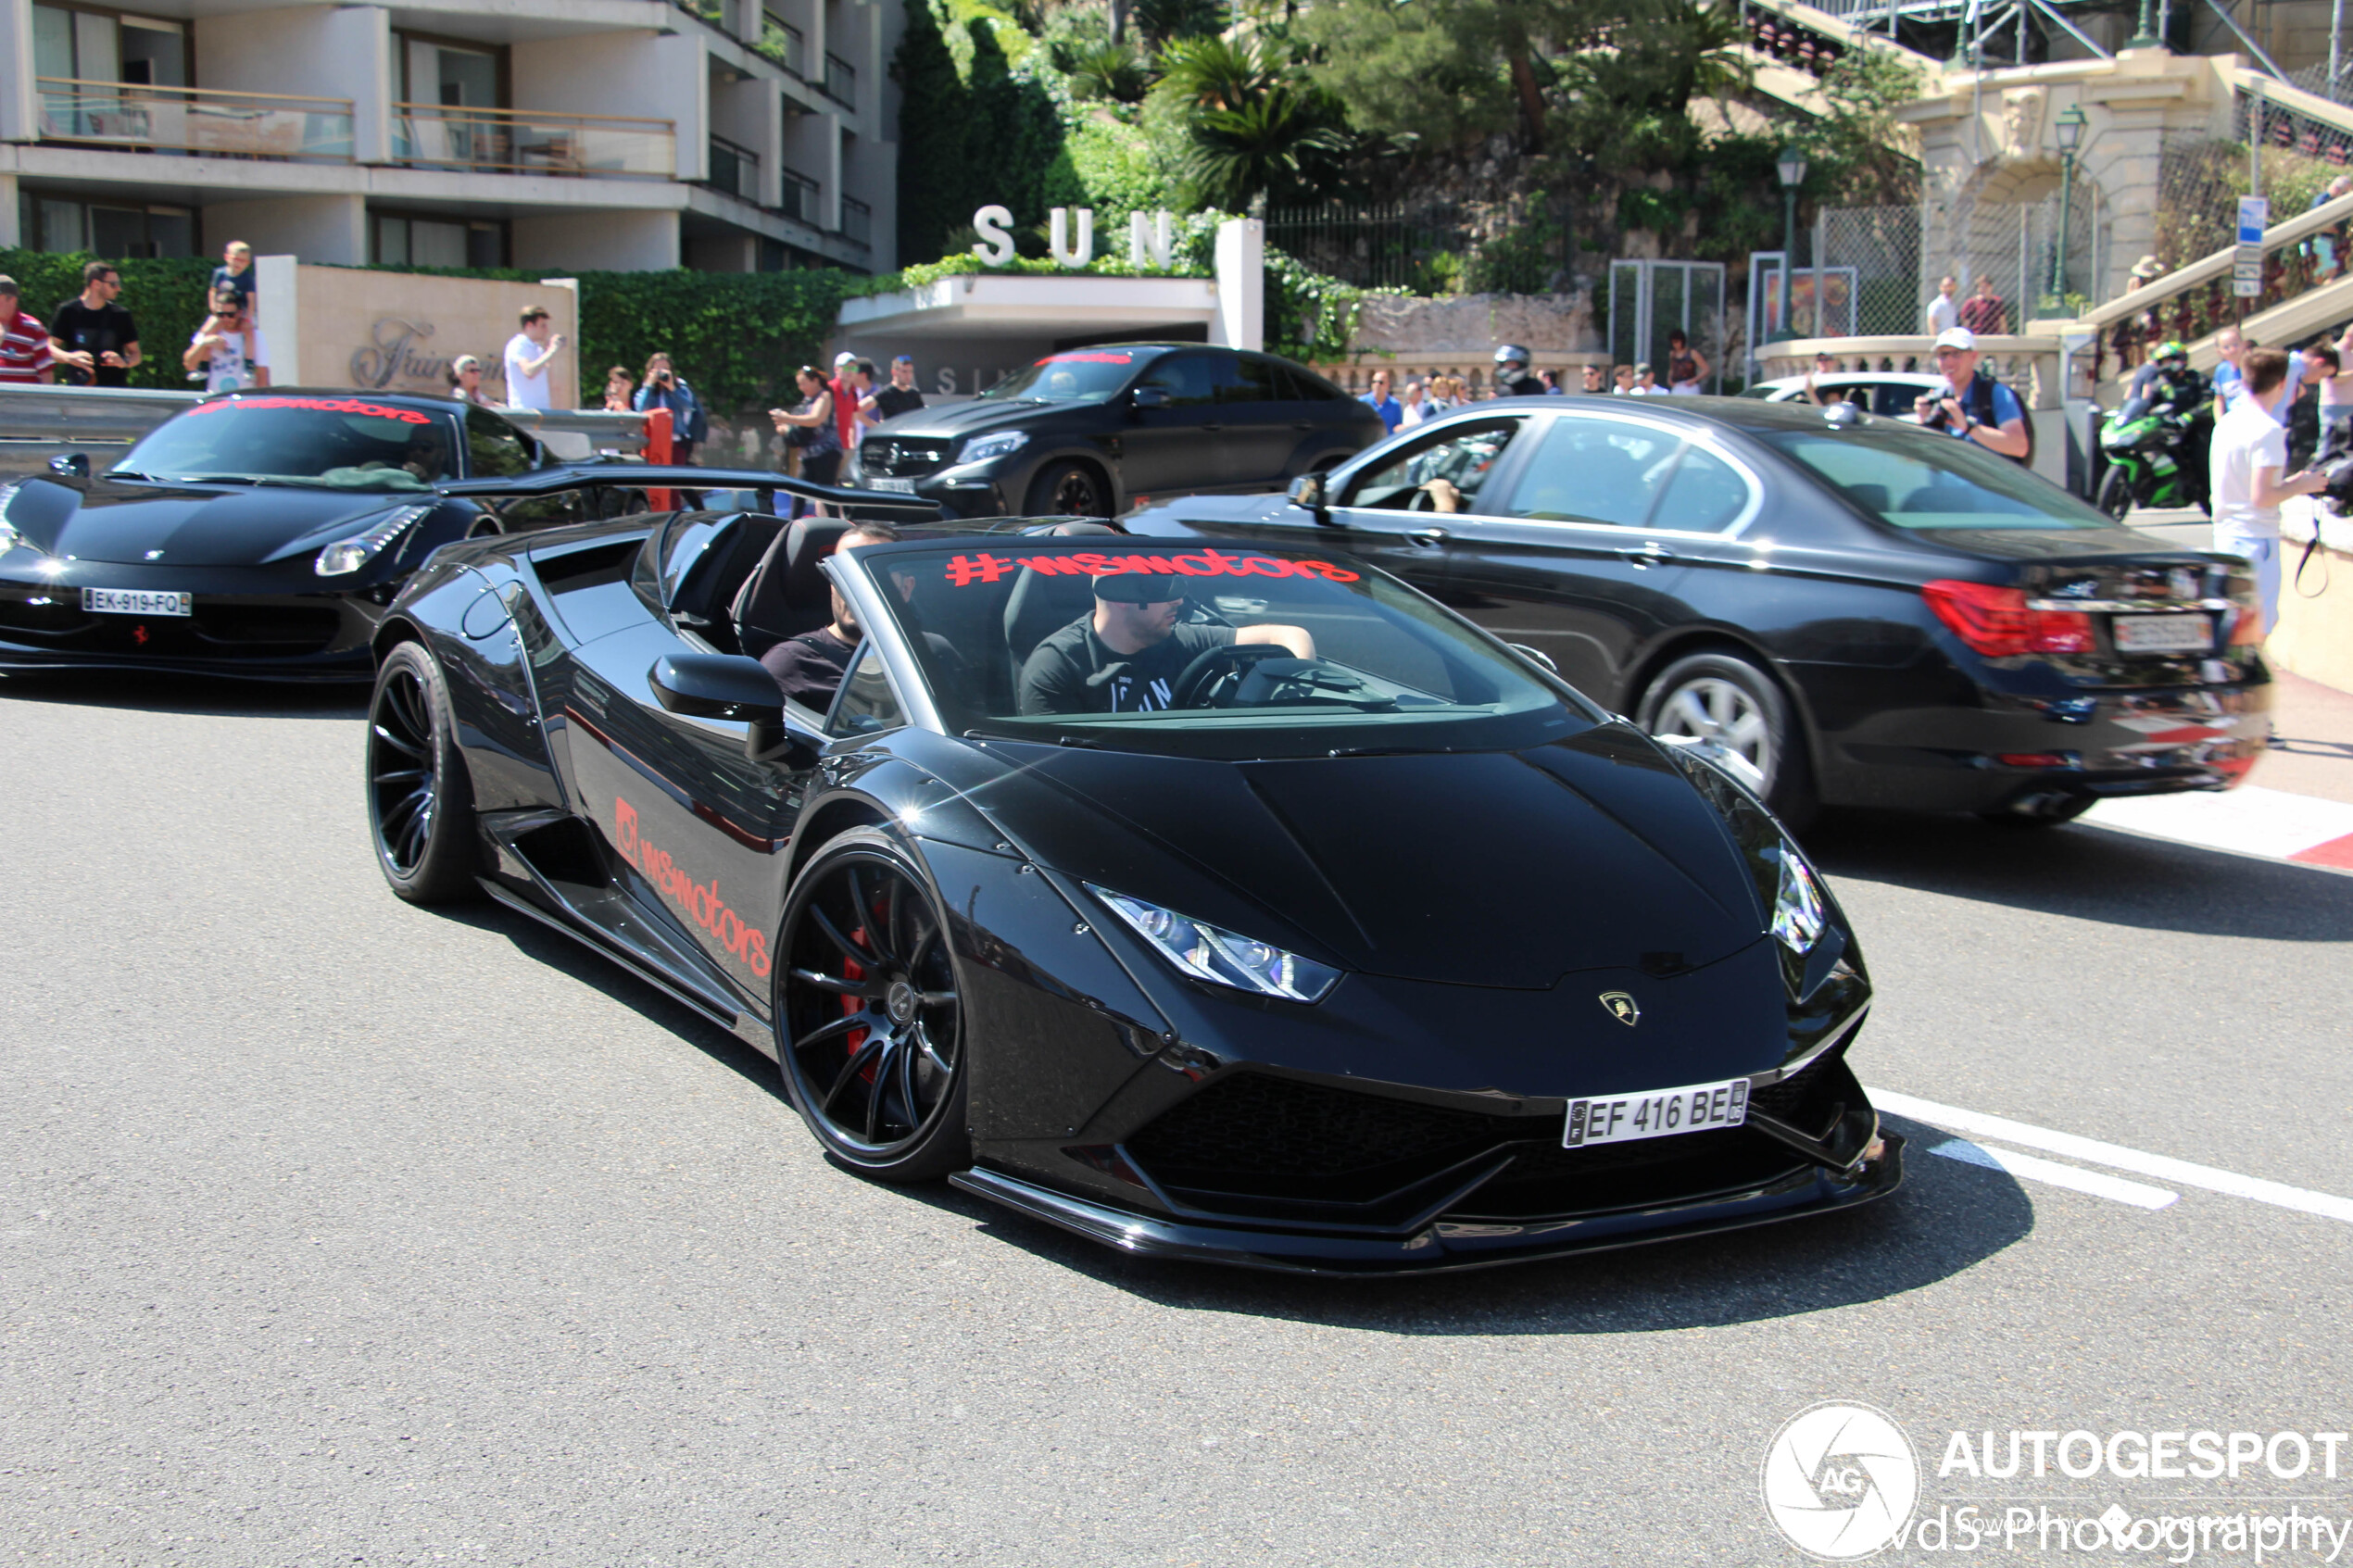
(1621, 1008)
(1840, 1480)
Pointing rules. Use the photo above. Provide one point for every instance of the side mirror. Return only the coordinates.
(71, 465)
(716, 685)
(1149, 397)
(1307, 491)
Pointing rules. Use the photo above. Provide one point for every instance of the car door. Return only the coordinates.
(696, 828)
(1172, 447)
(1586, 558)
(1262, 428)
(1388, 511)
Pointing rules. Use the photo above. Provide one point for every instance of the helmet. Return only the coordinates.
(2171, 349)
(1512, 353)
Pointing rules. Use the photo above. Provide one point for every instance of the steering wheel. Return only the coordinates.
(1423, 500)
(1212, 665)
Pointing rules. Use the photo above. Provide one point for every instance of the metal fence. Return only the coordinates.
(2201, 177)
(1384, 246)
(1873, 254)
(1649, 299)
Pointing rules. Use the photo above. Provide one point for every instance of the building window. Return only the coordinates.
(399, 239)
(118, 231)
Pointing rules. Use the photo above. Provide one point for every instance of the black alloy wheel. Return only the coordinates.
(421, 802)
(1069, 489)
(1724, 698)
(870, 1029)
(2116, 492)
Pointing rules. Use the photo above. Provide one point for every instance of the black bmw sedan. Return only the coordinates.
(256, 534)
(1868, 613)
(1083, 434)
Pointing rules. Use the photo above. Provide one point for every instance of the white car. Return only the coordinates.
(1879, 391)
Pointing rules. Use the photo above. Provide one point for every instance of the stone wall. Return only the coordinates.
(1457, 335)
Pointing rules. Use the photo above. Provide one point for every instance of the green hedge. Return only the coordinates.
(736, 336)
(166, 300)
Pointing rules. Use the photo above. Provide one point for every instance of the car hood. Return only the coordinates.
(971, 418)
(192, 525)
(1496, 868)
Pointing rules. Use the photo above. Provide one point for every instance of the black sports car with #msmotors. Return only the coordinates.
(1314, 930)
(256, 534)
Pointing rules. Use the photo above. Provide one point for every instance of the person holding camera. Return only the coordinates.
(528, 355)
(1974, 406)
(810, 428)
(664, 388)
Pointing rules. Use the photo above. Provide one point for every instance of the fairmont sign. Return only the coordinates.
(1151, 239)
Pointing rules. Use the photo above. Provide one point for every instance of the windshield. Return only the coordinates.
(1909, 478)
(1205, 654)
(1083, 375)
(336, 442)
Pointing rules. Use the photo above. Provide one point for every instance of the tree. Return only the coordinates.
(1256, 124)
(1447, 71)
(935, 185)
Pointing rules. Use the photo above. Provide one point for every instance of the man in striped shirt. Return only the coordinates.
(24, 341)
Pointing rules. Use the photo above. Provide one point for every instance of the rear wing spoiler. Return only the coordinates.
(567, 478)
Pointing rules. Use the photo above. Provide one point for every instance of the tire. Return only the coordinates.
(871, 1035)
(2116, 492)
(1722, 696)
(2042, 817)
(1069, 489)
(420, 800)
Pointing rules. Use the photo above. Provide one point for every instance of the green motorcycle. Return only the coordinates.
(2154, 458)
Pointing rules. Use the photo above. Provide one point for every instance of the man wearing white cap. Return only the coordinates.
(1975, 407)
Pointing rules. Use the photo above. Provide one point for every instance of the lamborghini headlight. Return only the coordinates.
(1221, 956)
(347, 556)
(1799, 916)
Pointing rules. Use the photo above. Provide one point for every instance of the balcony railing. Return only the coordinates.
(531, 142)
(857, 223)
(735, 168)
(842, 80)
(800, 199)
(194, 119)
(782, 42)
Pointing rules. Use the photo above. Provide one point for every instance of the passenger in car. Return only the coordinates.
(810, 667)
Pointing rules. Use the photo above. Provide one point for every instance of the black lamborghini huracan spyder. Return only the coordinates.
(1349, 942)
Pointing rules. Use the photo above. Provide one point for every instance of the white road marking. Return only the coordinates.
(2249, 820)
(2182, 1173)
(2033, 1168)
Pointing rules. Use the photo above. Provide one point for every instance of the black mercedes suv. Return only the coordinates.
(1091, 430)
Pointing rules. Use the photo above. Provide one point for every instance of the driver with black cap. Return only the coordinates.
(1126, 656)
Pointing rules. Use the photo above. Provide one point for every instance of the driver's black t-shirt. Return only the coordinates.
(1075, 671)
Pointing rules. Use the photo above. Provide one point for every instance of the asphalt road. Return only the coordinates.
(336, 1231)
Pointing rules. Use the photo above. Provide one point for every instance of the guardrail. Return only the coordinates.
(60, 417)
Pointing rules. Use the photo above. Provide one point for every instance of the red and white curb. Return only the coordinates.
(2249, 820)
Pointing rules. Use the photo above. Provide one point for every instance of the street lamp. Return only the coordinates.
(2069, 126)
(1791, 168)
(2144, 36)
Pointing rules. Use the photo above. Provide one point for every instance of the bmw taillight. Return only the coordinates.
(1994, 620)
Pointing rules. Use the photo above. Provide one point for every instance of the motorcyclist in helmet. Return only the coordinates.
(1512, 379)
(2165, 384)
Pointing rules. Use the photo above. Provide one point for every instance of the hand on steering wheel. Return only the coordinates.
(1212, 665)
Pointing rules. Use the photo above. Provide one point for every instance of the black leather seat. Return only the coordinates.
(786, 594)
(1038, 607)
